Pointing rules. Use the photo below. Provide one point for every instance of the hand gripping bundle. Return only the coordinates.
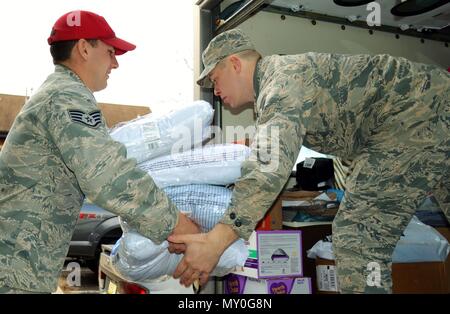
(138, 258)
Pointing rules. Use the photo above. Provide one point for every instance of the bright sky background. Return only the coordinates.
(158, 74)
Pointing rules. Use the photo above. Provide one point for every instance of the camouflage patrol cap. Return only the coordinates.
(223, 45)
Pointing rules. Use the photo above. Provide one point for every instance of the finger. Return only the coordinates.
(171, 248)
(177, 248)
(180, 238)
(181, 268)
(203, 278)
(190, 280)
(174, 238)
(186, 277)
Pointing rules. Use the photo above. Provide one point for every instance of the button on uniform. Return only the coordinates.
(232, 215)
(237, 223)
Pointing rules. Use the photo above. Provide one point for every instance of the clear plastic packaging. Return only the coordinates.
(420, 243)
(212, 164)
(153, 135)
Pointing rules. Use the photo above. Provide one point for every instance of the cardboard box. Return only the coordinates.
(425, 277)
(119, 113)
(445, 231)
(274, 254)
(236, 284)
(326, 277)
(273, 220)
(310, 236)
(10, 106)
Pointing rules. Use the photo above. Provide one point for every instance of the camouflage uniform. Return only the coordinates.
(389, 115)
(57, 152)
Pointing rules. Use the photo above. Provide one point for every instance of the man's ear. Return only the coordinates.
(82, 47)
(236, 63)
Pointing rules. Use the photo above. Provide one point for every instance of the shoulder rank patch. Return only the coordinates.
(92, 119)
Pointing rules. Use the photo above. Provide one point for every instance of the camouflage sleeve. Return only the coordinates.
(103, 172)
(275, 148)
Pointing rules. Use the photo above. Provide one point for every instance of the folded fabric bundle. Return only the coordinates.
(138, 258)
(151, 135)
(212, 164)
(205, 204)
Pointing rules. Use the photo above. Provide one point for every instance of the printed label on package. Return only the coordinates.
(326, 278)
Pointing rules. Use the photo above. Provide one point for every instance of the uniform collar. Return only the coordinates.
(257, 78)
(60, 68)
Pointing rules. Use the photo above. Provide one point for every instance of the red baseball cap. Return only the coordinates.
(87, 25)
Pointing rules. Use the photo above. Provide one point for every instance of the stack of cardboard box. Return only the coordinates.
(319, 276)
(311, 232)
(274, 266)
(266, 270)
(419, 277)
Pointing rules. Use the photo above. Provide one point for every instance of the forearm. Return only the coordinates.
(251, 199)
(114, 183)
(223, 236)
(274, 150)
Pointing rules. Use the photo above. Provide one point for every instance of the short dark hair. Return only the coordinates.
(61, 50)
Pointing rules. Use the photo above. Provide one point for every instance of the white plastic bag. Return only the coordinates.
(212, 164)
(138, 258)
(151, 135)
(322, 249)
(420, 243)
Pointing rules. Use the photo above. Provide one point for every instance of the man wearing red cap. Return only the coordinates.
(59, 151)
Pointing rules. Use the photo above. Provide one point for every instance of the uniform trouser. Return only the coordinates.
(383, 192)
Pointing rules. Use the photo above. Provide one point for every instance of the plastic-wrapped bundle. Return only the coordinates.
(205, 204)
(138, 258)
(151, 136)
(420, 243)
(212, 164)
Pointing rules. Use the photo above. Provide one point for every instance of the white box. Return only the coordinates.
(272, 254)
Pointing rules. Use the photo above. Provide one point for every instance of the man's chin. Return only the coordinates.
(98, 89)
(230, 104)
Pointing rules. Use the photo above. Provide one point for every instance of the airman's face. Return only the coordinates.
(103, 60)
(226, 84)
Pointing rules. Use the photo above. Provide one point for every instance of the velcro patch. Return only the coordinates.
(93, 119)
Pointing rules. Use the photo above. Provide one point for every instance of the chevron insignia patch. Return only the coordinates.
(93, 119)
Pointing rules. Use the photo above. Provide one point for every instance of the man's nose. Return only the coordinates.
(216, 91)
(114, 63)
